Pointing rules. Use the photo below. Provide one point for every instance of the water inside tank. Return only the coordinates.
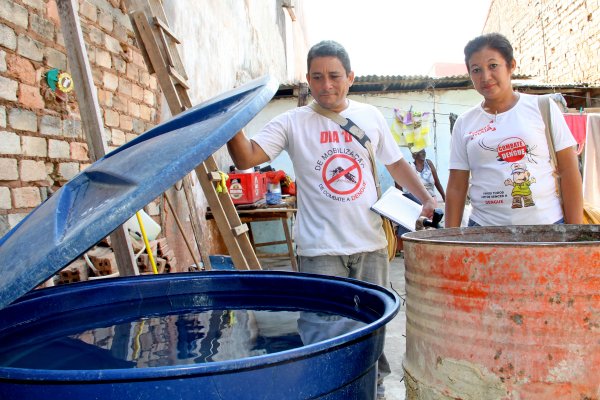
(119, 338)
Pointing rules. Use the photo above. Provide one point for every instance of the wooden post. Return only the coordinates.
(302, 94)
(90, 117)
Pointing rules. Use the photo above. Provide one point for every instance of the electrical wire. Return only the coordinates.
(581, 97)
(415, 100)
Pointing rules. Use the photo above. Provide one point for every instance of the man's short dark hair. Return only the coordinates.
(329, 48)
(494, 41)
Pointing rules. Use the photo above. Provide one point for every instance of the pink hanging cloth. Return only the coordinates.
(578, 125)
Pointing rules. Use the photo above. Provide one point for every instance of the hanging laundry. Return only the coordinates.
(411, 129)
(578, 125)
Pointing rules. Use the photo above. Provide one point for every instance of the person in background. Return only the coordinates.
(336, 233)
(499, 153)
(429, 178)
(427, 173)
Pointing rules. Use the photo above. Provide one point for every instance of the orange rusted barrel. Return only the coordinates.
(503, 313)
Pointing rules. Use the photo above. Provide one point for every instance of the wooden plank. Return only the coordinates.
(163, 25)
(203, 255)
(225, 214)
(238, 230)
(82, 76)
(165, 35)
(91, 119)
(178, 78)
(174, 101)
(162, 73)
(169, 56)
(302, 94)
(158, 12)
(142, 48)
(262, 244)
(214, 176)
(267, 212)
(288, 241)
(195, 220)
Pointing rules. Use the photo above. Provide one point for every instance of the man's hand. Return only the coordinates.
(407, 177)
(428, 207)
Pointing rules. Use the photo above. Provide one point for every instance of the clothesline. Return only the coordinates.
(431, 112)
(467, 105)
(581, 97)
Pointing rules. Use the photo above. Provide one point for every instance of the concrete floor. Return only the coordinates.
(395, 345)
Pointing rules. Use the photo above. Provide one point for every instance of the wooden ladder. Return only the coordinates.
(158, 45)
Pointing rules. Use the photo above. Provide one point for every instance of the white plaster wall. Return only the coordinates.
(226, 43)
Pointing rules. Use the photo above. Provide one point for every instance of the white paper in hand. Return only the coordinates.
(398, 208)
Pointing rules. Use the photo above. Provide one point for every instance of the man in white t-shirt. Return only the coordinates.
(336, 233)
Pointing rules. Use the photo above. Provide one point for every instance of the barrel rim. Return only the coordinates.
(442, 235)
(389, 298)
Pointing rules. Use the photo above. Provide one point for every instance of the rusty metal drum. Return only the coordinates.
(503, 313)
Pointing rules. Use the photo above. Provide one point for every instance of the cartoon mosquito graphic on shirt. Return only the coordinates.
(347, 175)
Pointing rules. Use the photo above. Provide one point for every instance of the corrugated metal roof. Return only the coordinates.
(411, 83)
(398, 83)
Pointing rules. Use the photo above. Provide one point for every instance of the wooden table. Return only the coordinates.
(262, 212)
(284, 214)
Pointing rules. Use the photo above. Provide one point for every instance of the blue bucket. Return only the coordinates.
(221, 263)
(340, 367)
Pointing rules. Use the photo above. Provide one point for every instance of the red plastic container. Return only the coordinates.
(247, 188)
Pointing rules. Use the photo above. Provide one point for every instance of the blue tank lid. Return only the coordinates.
(107, 193)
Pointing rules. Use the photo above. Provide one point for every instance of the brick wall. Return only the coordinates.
(42, 144)
(557, 41)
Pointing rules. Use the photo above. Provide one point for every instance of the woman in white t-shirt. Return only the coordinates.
(499, 153)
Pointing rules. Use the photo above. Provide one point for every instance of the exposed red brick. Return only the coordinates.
(20, 68)
(52, 11)
(79, 151)
(30, 96)
(52, 162)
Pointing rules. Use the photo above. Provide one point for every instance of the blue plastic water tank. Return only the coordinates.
(342, 367)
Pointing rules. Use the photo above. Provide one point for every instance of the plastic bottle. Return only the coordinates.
(273, 195)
